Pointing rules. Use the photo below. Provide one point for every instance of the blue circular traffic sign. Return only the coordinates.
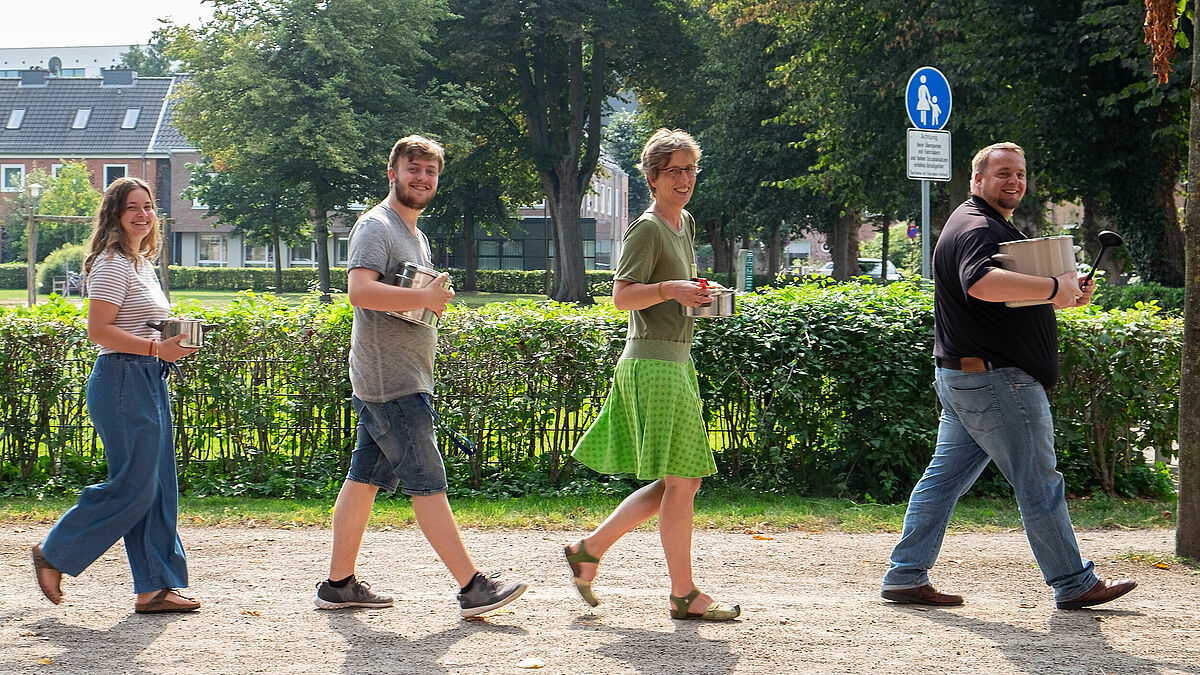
(927, 98)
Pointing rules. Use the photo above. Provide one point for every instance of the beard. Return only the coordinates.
(410, 199)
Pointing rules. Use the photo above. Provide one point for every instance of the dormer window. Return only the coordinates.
(81, 118)
(16, 118)
(131, 118)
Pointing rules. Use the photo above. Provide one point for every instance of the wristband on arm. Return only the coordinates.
(1055, 291)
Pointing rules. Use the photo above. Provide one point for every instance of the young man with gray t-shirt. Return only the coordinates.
(391, 371)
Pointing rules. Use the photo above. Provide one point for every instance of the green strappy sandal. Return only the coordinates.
(716, 611)
(583, 586)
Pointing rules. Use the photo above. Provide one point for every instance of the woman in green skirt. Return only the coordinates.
(650, 424)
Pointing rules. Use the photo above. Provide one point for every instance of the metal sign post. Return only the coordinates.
(928, 101)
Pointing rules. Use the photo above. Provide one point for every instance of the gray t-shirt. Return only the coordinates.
(389, 357)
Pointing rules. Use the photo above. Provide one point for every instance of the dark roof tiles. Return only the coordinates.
(50, 111)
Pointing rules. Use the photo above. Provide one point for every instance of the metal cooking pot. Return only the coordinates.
(412, 275)
(1043, 257)
(195, 329)
(722, 304)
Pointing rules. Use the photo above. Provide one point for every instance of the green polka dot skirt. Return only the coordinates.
(650, 424)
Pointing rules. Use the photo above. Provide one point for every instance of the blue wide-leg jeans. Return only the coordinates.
(128, 403)
(1002, 416)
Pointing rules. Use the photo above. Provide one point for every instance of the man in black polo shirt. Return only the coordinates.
(994, 365)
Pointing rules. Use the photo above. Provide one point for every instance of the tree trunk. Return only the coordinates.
(774, 249)
(470, 255)
(321, 239)
(886, 233)
(844, 247)
(1095, 220)
(570, 277)
(1187, 532)
(278, 257)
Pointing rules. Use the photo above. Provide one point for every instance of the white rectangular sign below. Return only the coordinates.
(928, 154)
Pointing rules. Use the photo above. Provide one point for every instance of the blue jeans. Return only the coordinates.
(128, 403)
(1003, 416)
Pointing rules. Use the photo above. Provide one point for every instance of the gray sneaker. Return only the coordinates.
(354, 594)
(484, 594)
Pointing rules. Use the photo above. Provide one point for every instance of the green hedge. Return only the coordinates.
(1109, 296)
(12, 275)
(819, 389)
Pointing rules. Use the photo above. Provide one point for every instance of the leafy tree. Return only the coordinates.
(151, 60)
(69, 194)
(557, 64)
(308, 98)
(624, 137)
(485, 182)
(263, 212)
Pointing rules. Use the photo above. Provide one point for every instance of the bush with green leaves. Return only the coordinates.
(1128, 296)
(819, 389)
(61, 261)
(12, 275)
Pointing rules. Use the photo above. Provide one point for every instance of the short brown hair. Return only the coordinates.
(109, 237)
(980, 162)
(662, 144)
(417, 147)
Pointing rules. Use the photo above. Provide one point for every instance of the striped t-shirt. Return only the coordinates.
(135, 291)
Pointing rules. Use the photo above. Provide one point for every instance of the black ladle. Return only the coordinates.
(1107, 238)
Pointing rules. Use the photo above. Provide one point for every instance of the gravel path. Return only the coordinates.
(810, 604)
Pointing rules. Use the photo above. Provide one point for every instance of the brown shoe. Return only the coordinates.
(159, 604)
(1103, 591)
(48, 578)
(922, 595)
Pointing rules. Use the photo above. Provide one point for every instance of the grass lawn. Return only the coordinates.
(713, 511)
(16, 297)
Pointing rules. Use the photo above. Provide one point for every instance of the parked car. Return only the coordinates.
(868, 267)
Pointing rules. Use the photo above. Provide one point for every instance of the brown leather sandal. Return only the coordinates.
(48, 577)
(716, 611)
(159, 604)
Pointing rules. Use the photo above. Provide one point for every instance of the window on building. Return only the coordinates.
(131, 118)
(212, 250)
(589, 254)
(10, 73)
(113, 172)
(302, 254)
(258, 255)
(54, 169)
(341, 251)
(73, 72)
(501, 255)
(16, 118)
(81, 118)
(12, 177)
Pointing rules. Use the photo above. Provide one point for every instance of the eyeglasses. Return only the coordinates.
(674, 172)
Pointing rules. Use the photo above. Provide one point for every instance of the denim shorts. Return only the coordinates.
(397, 445)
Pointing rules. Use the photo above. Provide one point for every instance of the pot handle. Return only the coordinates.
(157, 325)
(210, 326)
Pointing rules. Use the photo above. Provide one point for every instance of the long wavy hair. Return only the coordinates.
(108, 236)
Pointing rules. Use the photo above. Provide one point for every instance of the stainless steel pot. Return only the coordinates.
(412, 275)
(195, 329)
(722, 305)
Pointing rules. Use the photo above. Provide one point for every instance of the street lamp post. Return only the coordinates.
(35, 193)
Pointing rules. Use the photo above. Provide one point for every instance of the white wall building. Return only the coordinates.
(61, 61)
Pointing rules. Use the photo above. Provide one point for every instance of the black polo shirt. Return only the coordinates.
(1026, 337)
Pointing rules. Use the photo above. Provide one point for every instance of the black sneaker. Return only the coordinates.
(484, 594)
(354, 594)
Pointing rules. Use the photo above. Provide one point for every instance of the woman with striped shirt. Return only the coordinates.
(129, 406)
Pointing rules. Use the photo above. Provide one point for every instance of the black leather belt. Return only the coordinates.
(971, 364)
